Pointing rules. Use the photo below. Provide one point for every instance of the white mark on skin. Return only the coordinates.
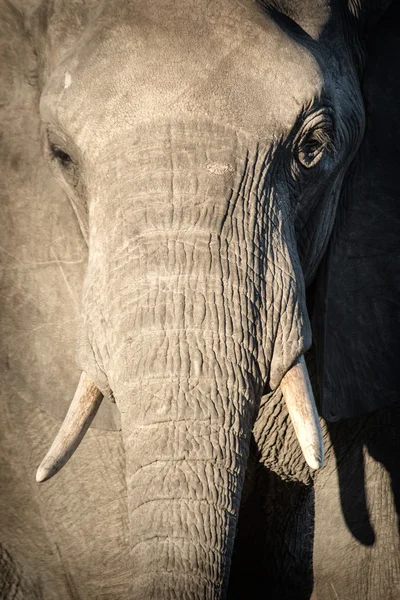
(218, 168)
(36, 263)
(67, 81)
(333, 587)
(71, 293)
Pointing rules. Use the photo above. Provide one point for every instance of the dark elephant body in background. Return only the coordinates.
(203, 149)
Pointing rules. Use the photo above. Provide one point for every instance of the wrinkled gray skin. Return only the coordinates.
(203, 150)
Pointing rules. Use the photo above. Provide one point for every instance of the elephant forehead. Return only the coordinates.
(237, 68)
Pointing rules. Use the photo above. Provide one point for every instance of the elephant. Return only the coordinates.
(199, 236)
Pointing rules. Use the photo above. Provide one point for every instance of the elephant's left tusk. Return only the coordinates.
(84, 406)
(297, 391)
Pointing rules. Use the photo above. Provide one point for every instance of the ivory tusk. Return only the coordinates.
(84, 406)
(297, 391)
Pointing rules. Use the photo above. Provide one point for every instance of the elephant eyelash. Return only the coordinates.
(324, 137)
(59, 154)
(314, 143)
(67, 168)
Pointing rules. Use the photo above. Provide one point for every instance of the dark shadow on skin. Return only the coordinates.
(348, 450)
(383, 445)
(351, 465)
(288, 25)
(362, 363)
(378, 432)
(273, 548)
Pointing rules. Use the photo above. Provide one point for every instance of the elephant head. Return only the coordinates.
(203, 149)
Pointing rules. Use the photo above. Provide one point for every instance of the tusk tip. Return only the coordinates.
(315, 463)
(315, 459)
(44, 473)
(40, 475)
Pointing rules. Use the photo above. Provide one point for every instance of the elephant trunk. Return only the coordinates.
(185, 373)
(186, 443)
(194, 303)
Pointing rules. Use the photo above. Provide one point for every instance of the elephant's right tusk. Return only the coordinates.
(84, 406)
(297, 391)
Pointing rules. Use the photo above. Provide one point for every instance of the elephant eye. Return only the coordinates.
(312, 148)
(62, 157)
(315, 140)
(63, 165)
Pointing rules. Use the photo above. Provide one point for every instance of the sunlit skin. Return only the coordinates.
(205, 149)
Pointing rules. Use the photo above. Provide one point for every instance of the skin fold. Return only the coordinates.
(179, 200)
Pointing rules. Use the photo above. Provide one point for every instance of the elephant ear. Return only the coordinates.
(42, 252)
(357, 307)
